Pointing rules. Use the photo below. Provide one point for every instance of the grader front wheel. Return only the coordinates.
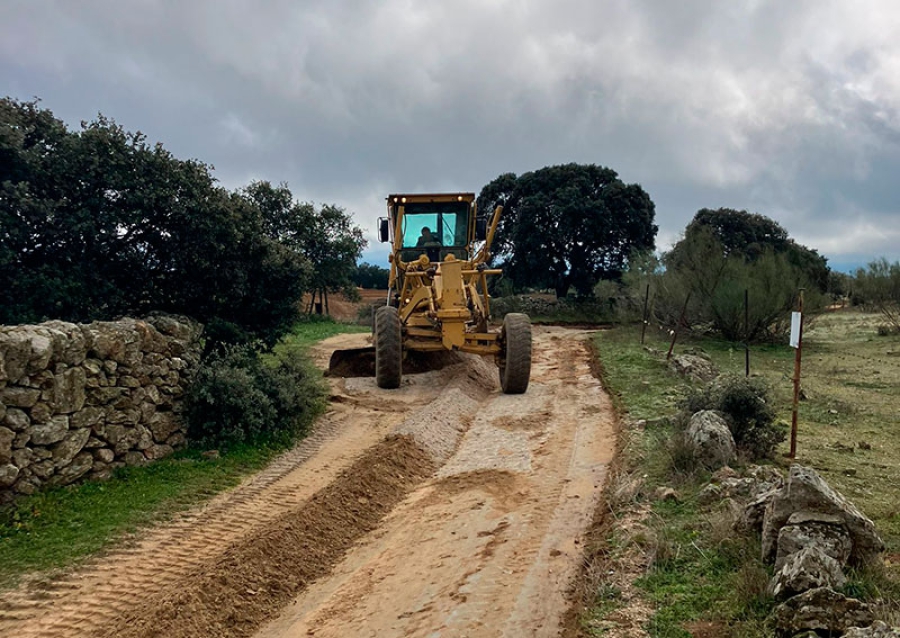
(515, 358)
(388, 348)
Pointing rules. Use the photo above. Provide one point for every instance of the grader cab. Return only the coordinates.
(438, 297)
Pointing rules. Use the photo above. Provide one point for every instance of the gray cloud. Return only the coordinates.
(787, 109)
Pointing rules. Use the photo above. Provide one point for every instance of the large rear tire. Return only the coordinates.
(388, 348)
(515, 359)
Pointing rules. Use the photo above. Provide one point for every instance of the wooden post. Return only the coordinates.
(746, 332)
(797, 359)
(327, 310)
(644, 314)
(678, 325)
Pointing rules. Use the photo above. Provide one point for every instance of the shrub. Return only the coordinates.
(241, 395)
(365, 315)
(714, 282)
(746, 405)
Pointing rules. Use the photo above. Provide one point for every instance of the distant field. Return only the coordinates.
(849, 425)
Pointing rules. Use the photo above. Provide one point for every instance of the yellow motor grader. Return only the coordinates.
(438, 297)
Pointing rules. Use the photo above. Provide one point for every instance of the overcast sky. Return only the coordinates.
(786, 108)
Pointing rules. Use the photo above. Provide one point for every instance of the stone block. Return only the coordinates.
(87, 417)
(829, 535)
(27, 486)
(7, 437)
(42, 469)
(877, 629)
(41, 413)
(22, 458)
(135, 458)
(144, 438)
(104, 455)
(16, 419)
(129, 382)
(18, 397)
(806, 495)
(22, 439)
(155, 452)
(710, 439)
(806, 569)
(822, 610)
(79, 466)
(94, 443)
(163, 425)
(69, 391)
(52, 432)
(41, 452)
(70, 446)
(101, 471)
(8, 474)
(70, 345)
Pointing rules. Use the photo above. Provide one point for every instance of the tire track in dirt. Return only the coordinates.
(489, 546)
(486, 547)
(100, 591)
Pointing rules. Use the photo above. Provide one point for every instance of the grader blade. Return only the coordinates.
(352, 362)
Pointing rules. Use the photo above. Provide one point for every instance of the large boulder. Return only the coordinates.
(710, 440)
(805, 529)
(694, 367)
(822, 610)
(807, 569)
(806, 495)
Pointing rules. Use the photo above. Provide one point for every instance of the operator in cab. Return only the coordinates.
(430, 243)
(427, 239)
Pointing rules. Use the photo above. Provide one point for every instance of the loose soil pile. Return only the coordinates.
(255, 578)
(440, 508)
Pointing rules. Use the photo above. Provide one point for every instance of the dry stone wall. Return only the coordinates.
(79, 400)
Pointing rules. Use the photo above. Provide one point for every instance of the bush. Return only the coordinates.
(136, 231)
(602, 310)
(240, 395)
(715, 282)
(746, 405)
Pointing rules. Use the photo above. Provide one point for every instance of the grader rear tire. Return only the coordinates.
(515, 360)
(388, 348)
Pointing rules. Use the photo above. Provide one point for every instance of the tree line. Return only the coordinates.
(98, 223)
(580, 229)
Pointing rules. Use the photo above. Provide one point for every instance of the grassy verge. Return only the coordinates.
(57, 528)
(698, 575)
(315, 329)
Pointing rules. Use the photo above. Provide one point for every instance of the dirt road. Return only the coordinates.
(443, 508)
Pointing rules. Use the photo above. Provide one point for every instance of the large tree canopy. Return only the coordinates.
(750, 236)
(728, 256)
(568, 225)
(97, 223)
(326, 236)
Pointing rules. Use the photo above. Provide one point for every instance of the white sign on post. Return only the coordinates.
(795, 329)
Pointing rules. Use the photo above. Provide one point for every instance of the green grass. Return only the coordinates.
(852, 379)
(58, 528)
(313, 330)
